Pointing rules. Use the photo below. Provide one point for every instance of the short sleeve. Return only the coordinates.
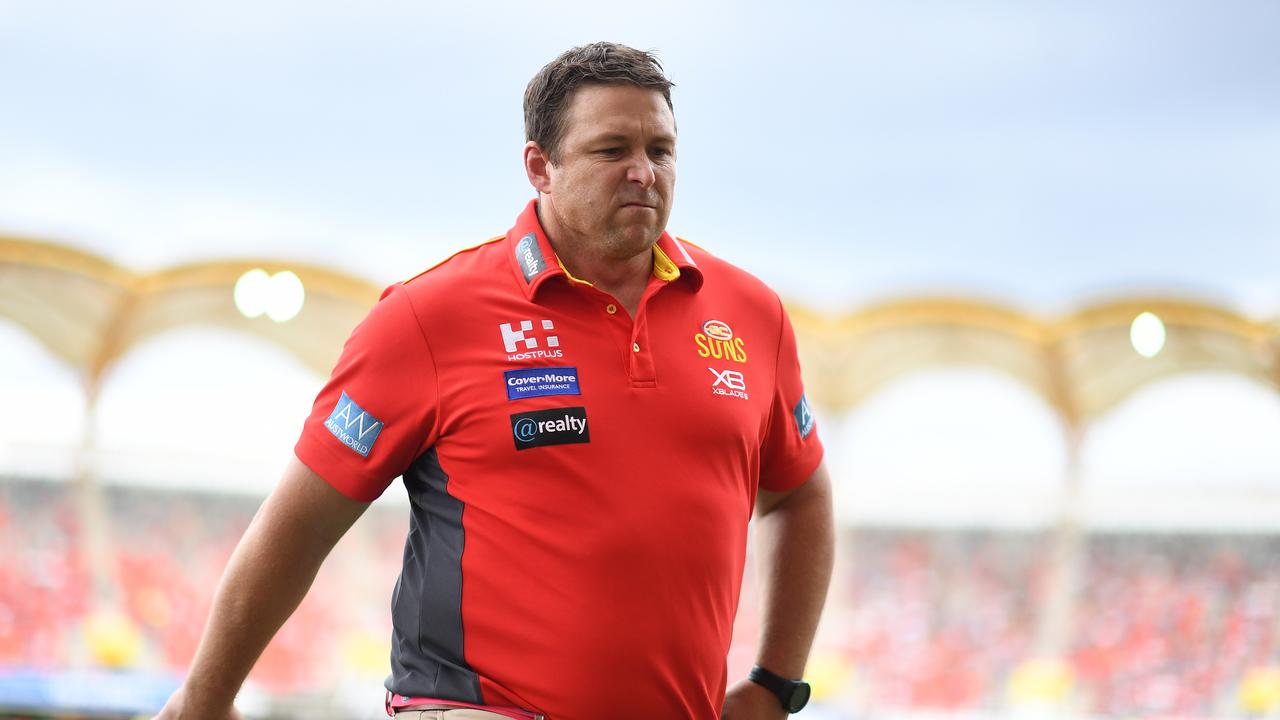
(791, 451)
(377, 412)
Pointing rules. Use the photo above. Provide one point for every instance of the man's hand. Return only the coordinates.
(174, 710)
(748, 701)
(795, 544)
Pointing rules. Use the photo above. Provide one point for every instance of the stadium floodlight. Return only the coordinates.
(279, 296)
(1147, 334)
(285, 296)
(251, 292)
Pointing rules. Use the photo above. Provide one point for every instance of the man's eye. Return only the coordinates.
(611, 152)
(660, 152)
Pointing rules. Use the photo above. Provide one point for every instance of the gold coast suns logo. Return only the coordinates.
(716, 341)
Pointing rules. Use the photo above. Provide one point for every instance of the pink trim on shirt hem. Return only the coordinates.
(400, 702)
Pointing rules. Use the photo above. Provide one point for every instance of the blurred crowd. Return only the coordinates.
(1157, 625)
(920, 619)
(168, 552)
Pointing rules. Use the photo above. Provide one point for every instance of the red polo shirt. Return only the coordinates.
(581, 480)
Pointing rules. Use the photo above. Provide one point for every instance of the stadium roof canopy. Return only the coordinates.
(90, 313)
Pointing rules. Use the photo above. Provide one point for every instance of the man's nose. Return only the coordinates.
(640, 169)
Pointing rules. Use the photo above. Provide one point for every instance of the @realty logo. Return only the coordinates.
(530, 256)
(558, 426)
(526, 430)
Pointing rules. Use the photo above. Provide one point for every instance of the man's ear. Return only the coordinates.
(537, 166)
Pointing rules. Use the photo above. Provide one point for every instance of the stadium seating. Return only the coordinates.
(1163, 624)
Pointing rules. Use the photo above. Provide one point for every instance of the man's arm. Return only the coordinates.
(795, 548)
(268, 575)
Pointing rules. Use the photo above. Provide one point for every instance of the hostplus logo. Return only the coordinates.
(522, 343)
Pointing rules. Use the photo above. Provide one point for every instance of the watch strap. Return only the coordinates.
(783, 688)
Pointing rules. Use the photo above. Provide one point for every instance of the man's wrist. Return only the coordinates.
(793, 695)
(206, 699)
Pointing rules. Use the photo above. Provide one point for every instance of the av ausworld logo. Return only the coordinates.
(355, 427)
(729, 383)
(558, 426)
(804, 417)
(541, 382)
(522, 342)
(529, 255)
(716, 342)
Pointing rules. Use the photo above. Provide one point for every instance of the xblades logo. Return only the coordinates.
(730, 383)
(559, 426)
(521, 342)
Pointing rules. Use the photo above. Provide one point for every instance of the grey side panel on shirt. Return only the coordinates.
(426, 610)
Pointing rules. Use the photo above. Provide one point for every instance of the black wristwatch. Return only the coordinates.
(793, 694)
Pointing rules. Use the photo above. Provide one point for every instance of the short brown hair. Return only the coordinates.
(546, 99)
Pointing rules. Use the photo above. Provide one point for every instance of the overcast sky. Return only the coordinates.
(1043, 153)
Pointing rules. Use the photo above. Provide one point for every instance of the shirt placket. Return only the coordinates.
(631, 334)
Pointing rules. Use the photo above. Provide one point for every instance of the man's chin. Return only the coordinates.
(633, 240)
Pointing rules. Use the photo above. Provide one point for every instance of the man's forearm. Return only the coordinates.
(267, 577)
(795, 546)
(258, 592)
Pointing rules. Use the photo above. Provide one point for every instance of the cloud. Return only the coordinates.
(145, 226)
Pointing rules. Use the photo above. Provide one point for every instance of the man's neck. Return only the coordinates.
(623, 278)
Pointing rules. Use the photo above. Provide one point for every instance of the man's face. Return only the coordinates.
(616, 173)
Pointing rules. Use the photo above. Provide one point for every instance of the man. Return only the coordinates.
(585, 412)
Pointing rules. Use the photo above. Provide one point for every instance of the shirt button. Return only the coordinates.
(611, 308)
(635, 347)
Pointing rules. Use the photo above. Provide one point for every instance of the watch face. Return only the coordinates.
(799, 697)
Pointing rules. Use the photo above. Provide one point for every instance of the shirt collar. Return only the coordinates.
(534, 261)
